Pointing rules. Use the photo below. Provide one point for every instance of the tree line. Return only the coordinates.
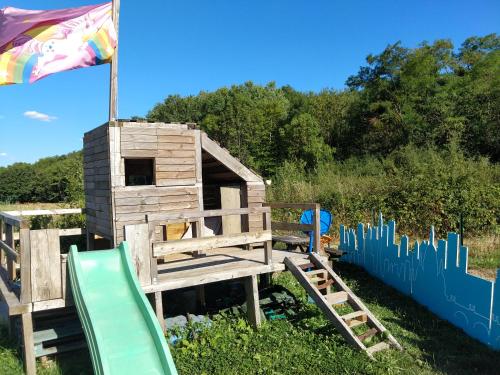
(432, 95)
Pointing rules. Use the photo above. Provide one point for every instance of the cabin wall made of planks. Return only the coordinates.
(97, 184)
(173, 150)
(133, 203)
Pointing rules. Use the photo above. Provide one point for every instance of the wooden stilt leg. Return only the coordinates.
(28, 344)
(90, 240)
(159, 310)
(252, 294)
(200, 295)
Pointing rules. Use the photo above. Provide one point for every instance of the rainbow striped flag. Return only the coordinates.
(36, 43)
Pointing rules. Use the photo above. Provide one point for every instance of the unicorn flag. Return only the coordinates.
(36, 43)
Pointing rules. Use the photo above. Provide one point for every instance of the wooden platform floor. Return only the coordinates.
(184, 270)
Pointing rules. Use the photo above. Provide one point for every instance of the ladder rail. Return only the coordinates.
(355, 299)
(330, 313)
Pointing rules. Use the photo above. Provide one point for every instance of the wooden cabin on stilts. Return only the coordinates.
(192, 213)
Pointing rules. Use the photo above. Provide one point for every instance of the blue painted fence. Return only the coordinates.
(435, 276)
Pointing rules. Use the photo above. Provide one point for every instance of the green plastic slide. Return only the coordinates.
(122, 331)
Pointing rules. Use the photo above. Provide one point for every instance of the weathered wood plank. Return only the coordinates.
(139, 138)
(227, 159)
(159, 311)
(138, 238)
(28, 344)
(176, 168)
(139, 153)
(25, 245)
(208, 243)
(299, 206)
(277, 225)
(179, 150)
(148, 191)
(176, 181)
(175, 139)
(252, 299)
(45, 264)
(206, 213)
(230, 199)
(58, 211)
(175, 161)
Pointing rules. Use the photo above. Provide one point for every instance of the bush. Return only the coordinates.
(417, 187)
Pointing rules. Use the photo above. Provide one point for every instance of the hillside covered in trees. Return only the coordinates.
(416, 133)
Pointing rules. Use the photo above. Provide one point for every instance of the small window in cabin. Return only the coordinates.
(139, 172)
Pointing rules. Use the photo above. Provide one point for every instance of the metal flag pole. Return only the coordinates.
(113, 87)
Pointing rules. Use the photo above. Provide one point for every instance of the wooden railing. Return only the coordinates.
(37, 256)
(9, 225)
(314, 227)
(146, 251)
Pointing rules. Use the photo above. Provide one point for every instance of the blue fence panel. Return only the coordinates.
(434, 274)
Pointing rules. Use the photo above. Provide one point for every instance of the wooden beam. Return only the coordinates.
(58, 211)
(25, 245)
(159, 311)
(227, 159)
(268, 245)
(208, 243)
(9, 218)
(8, 247)
(138, 238)
(298, 206)
(278, 225)
(9, 251)
(195, 215)
(317, 229)
(28, 344)
(252, 299)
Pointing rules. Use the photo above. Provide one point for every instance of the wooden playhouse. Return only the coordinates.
(192, 214)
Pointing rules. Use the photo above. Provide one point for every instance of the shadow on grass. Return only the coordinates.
(423, 335)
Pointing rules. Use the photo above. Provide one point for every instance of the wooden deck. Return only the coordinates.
(183, 270)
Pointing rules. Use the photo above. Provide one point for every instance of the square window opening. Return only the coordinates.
(139, 172)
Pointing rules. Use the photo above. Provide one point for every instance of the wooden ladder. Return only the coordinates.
(329, 293)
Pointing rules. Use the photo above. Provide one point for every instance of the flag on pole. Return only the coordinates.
(36, 43)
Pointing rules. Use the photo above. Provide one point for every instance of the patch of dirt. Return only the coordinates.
(489, 274)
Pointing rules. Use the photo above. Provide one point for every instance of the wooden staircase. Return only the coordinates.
(332, 296)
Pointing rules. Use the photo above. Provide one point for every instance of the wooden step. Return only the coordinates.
(306, 266)
(371, 332)
(337, 298)
(355, 318)
(316, 273)
(378, 347)
(325, 284)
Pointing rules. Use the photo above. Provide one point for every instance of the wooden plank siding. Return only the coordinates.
(132, 204)
(97, 186)
(256, 196)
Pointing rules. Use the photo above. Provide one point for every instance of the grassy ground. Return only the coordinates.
(308, 345)
(484, 255)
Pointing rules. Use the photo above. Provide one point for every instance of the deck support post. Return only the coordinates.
(252, 296)
(317, 229)
(28, 344)
(90, 240)
(200, 296)
(2, 258)
(9, 240)
(159, 311)
(268, 245)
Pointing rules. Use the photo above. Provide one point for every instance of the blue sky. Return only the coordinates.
(184, 46)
